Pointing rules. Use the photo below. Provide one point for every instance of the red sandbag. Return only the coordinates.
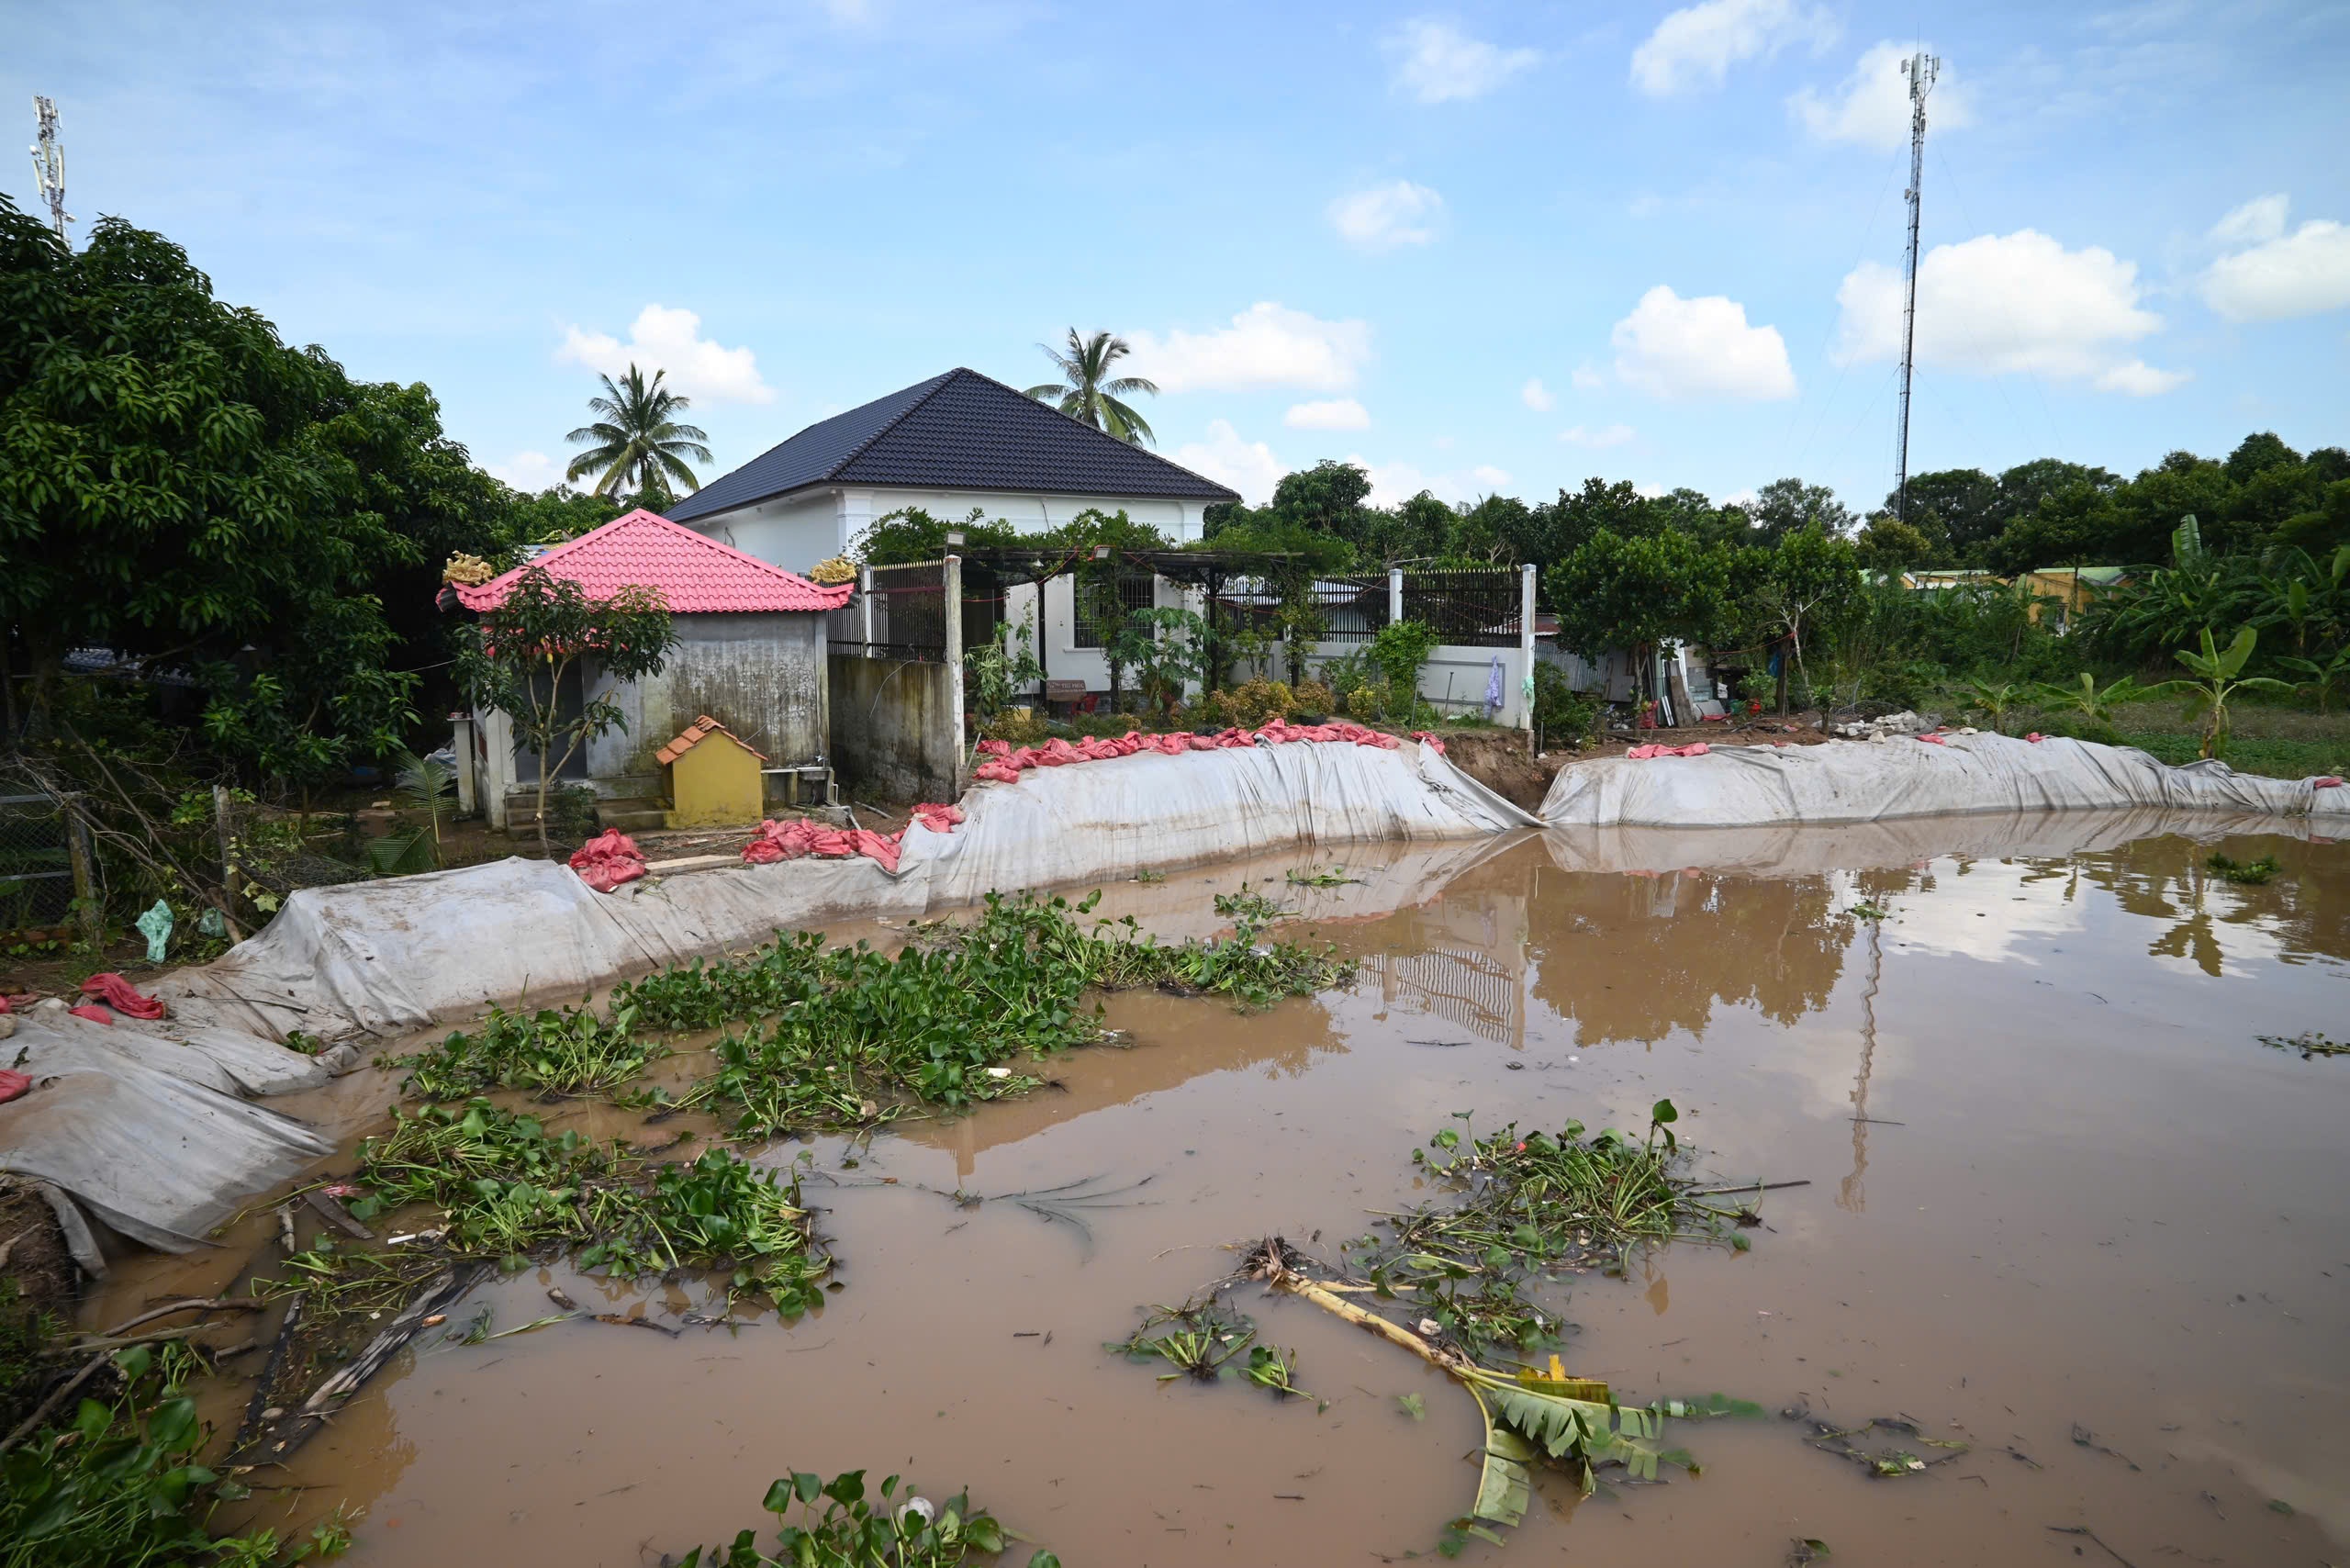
(938, 818)
(1642, 752)
(995, 748)
(12, 1084)
(606, 860)
(116, 993)
(997, 773)
(1933, 740)
(95, 1014)
(2328, 782)
(1425, 739)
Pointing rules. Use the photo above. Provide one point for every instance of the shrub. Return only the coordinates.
(1257, 701)
(1365, 703)
(1211, 711)
(1021, 728)
(1313, 697)
(1561, 714)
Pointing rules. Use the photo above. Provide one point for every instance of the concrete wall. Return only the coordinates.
(897, 730)
(761, 675)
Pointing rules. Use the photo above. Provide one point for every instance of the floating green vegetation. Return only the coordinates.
(852, 1037)
(1880, 1447)
(1336, 877)
(510, 1187)
(120, 1484)
(560, 1051)
(1199, 1340)
(1248, 905)
(2309, 1043)
(1526, 1205)
(2248, 873)
(833, 1523)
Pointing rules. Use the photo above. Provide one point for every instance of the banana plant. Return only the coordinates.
(2324, 678)
(1995, 701)
(2218, 676)
(2087, 698)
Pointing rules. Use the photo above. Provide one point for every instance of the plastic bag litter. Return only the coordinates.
(156, 926)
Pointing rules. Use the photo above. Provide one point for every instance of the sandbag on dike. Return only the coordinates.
(1858, 783)
(384, 958)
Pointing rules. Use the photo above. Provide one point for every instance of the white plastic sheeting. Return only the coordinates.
(389, 956)
(149, 1134)
(1871, 781)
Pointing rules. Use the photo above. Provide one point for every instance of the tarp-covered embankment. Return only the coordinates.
(1950, 776)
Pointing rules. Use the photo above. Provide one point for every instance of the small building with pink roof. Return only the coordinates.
(751, 653)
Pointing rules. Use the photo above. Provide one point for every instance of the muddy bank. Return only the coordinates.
(1504, 761)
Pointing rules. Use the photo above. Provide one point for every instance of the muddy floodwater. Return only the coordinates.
(2065, 1207)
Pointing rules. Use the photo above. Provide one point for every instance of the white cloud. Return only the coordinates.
(1267, 345)
(1604, 436)
(1871, 106)
(1536, 396)
(528, 470)
(1587, 377)
(671, 340)
(1339, 414)
(2256, 222)
(2136, 378)
(1394, 483)
(2001, 303)
(2277, 274)
(1248, 467)
(1696, 46)
(1436, 63)
(1384, 216)
(1670, 347)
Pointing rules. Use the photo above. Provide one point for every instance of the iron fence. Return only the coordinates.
(1344, 609)
(1476, 609)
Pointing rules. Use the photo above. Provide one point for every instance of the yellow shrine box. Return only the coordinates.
(713, 777)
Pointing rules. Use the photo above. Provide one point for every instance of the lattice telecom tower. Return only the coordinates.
(49, 165)
(1922, 69)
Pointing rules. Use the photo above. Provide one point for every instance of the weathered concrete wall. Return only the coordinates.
(762, 675)
(895, 730)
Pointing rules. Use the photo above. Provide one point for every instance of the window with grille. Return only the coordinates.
(1096, 622)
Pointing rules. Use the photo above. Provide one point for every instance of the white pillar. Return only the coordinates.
(497, 765)
(864, 607)
(462, 746)
(1526, 647)
(951, 585)
(1394, 594)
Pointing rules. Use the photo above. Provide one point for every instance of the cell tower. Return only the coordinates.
(48, 166)
(1922, 69)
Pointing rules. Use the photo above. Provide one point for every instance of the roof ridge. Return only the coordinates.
(1139, 450)
(727, 550)
(938, 384)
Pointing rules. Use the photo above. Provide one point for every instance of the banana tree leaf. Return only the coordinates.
(1505, 1488)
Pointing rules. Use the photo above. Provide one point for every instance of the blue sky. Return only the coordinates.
(1476, 248)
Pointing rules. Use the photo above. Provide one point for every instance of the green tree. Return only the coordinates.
(910, 533)
(558, 513)
(1491, 533)
(515, 656)
(636, 442)
(1088, 394)
(1963, 507)
(1639, 593)
(1808, 580)
(2257, 453)
(1890, 545)
(1784, 505)
(2217, 676)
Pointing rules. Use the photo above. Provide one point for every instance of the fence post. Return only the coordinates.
(951, 585)
(84, 857)
(865, 606)
(1395, 595)
(1526, 650)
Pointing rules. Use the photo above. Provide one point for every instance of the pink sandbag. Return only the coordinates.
(1425, 739)
(12, 1084)
(1655, 748)
(995, 748)
(2328, 782)
(95, 1014)
(606, 860)
(938, 818)
(2035, 737)
(997, 773)
(1933, 740)
(117, 993)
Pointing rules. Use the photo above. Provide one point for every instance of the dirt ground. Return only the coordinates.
(1500, 759)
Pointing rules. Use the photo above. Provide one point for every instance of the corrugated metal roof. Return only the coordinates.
(961, 431)
(695, 573)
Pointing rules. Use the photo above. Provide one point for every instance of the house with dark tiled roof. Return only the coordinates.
(750, 661)
(946, 445)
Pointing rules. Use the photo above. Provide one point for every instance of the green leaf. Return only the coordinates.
(173, 1426)
(1504, 1487)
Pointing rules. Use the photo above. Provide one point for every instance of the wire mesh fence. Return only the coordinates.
(37, 870)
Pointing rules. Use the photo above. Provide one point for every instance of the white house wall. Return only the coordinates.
(797, 531)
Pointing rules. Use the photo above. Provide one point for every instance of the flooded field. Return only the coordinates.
(2063, 1207)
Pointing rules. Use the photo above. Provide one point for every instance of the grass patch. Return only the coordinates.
(849, 1037)
(1525, 1205)
(557, 1051)
(510, 1188)
(834, 1524)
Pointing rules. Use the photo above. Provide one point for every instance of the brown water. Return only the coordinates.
(2056, 1182)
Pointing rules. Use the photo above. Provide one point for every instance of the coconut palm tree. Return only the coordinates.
(1088, 393)
(636, 441)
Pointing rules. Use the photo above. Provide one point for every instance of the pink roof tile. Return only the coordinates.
(694, 572)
